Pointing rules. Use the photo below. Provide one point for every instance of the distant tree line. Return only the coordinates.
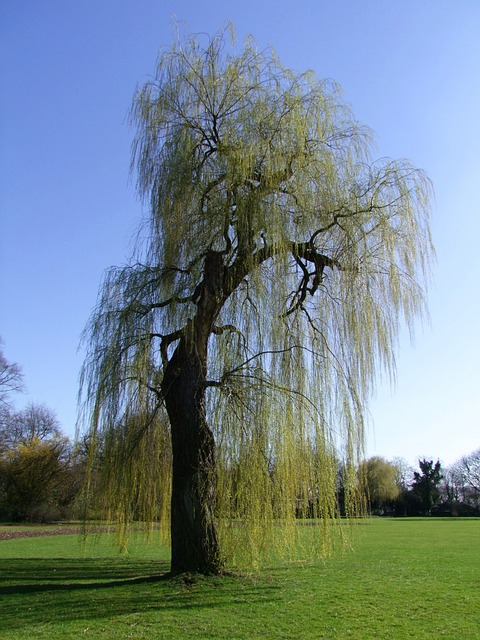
(394, 489)
(42, 472)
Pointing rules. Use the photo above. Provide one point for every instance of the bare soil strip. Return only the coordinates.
(34, 532)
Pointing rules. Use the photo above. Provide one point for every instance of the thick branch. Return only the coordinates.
(166, 341)
(220, 330)
(307, 253)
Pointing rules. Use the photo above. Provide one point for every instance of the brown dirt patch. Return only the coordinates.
(6, 534)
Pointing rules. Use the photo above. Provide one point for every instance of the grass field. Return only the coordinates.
(403, 579)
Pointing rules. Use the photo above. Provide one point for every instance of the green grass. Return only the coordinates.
(403, 579)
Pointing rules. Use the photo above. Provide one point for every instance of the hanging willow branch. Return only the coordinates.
(279, 266)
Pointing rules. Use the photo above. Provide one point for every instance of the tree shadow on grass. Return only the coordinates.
(34, 591)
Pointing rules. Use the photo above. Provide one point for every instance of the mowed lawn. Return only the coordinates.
(403, 579)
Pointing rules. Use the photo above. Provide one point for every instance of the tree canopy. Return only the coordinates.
(229, 364)
(381, 479)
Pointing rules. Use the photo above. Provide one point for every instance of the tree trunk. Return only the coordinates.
(195, 545)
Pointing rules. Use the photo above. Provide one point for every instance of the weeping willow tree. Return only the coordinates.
(230, 362)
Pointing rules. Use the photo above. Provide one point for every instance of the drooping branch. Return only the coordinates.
(260, 185)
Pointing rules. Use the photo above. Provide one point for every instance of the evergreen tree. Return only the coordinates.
(425, 485)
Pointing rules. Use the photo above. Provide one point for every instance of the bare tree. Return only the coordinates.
(463, 479)
(35, 422)
(11, 380)
(470, 465)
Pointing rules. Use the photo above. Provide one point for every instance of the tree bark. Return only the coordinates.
(195, 545)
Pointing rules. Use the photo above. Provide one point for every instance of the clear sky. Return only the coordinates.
(68, 70)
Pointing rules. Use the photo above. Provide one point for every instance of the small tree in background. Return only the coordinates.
(381, 480)
(425, 486)
(470, 468)
(462, 485)
(11, 381)
(277, 265)
(35, 473)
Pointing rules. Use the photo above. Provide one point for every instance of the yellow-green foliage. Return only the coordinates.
(381, 480)
(130, 475)
(327, 254)
(32, 474)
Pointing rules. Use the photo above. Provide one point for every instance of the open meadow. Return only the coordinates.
(404, 578)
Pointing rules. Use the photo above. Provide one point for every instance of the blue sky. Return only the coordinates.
(68, 70)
